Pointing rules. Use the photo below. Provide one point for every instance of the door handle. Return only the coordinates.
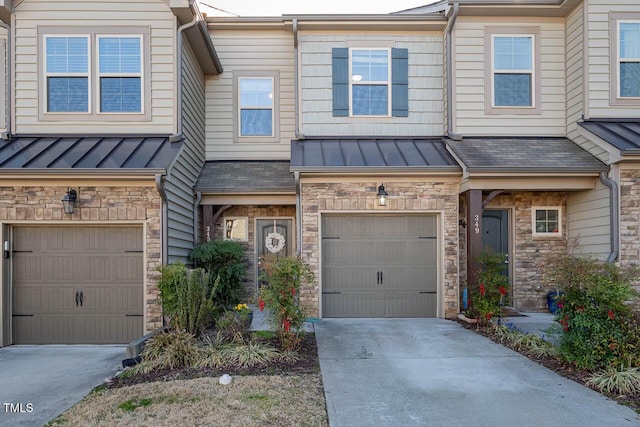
(77, 298)
(378, 274)
(381, 278)
(81, 298)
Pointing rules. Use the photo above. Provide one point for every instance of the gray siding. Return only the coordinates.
(184, 173)
(575, 70)
(588, 222)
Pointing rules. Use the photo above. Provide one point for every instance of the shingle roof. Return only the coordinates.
(355, 154)
(622, 134)
(558, 155)
(246, 176)
(50, 153)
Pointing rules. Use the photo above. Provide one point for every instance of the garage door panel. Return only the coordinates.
(422, 251)
(339, 251)
(26, 267)
(410, 304)
(354, 304)
(348, 277)
(416, 278)
(112, 299)
(127, 268)
(107, 329)
(36, 330)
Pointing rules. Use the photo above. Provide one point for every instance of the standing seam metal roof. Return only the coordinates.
(624, 134)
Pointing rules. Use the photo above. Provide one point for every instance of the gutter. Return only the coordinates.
(163, 219)
(178, 135)
(614, 201)
(298, 214)
(9, 90)
(296, 84)
(449, 47)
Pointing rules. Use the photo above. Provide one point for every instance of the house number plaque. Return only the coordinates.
(476, 224)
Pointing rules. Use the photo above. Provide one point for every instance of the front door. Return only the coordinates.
(273, 236)
(495, 234)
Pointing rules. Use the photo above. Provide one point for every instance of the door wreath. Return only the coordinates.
(274, 242)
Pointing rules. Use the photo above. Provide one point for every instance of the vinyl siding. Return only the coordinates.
(270, 51)
(153, 14)
(426, 87)
(588, 222)
(3, 80)
(470, 91)
(183, 175)
(599, 51)
(575, 69)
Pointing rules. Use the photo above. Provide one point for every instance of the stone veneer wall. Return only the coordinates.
(531, 253)
(419, 196)
(252, 212)
(104, 205)
(630, 218)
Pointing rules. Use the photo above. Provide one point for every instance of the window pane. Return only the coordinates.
(67, 55)
(120, 94)
(256, 93)
(630, 79)
(370, 65)
(255, 122)
(541, 215)
(630, 40)
(67, 94)
(119, 55)
(370, 100)
(552, 215)
(512, 53)
(512, 90)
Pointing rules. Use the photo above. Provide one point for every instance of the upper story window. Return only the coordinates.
(94, 74)
(370, 82)
(512, 59)
(370, 85)
(629, 59)
(256, 106)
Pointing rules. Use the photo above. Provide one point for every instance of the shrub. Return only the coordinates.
(168, 350)
(616, 381)
(283, 277)
(222, 260)
(599, 328)
(186, 298)
(493, 286)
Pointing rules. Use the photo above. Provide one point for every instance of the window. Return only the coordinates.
(236, 228)
(547, 221)
(629, 59)
(256, 106)
(94, 73)
(369, 82)
(512, 62)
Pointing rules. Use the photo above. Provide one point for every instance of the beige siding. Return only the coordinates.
(425, 86)
(588, 222)
(470, 91)
(242, 51)
(599, 57)
(575, 69)
(153, 14)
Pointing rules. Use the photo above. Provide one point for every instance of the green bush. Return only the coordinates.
(489, 296)
(222, 260)
(186, 298)
(168, 351)
(600, 329)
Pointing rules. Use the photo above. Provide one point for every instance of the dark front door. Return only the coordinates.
(495, 233)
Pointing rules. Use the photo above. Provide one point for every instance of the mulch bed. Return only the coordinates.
(308, 363)
(566, 369)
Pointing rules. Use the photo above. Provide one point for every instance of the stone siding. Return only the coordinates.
(630, 218)
(108, 205)
(418, 196)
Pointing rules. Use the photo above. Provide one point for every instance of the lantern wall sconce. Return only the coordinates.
(382, 196)
(69, 200)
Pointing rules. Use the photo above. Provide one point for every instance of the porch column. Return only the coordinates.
(207, 223)
(473, 200)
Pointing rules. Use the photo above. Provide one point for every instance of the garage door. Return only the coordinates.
(379, 266)
(77, 285)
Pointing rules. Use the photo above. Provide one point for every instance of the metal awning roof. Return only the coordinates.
(624, 134)
(370, 154)
(236, 176)
(84, 153)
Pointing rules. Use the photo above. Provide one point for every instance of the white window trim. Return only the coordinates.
(371, 83)
(240, 107)
(93, 32)
(534, 209)
(47, 74)
(235, 218)
(531, 71)
(99, 74)
(620, 60)
(275, 75)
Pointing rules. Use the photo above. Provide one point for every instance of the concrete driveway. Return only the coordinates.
(433, 372)
(38, 383)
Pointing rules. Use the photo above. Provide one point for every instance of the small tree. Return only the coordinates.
(284, 275)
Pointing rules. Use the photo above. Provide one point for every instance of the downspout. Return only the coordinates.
(298, 214)
(196, 217)
(8, 87)
(296, 76)
(449, 46)
(163, 220)
(614, 201)
(178, 135)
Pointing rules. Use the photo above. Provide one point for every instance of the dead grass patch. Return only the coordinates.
(248, 401)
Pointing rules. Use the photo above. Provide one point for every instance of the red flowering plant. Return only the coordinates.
(492, 291)
(280, 294)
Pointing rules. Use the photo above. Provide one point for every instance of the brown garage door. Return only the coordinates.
(77, 285)
(379, 266)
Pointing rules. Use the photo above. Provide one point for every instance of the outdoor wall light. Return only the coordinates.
(69, 200)
(382, 196)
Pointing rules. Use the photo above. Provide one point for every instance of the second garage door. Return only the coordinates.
(379, 265)
(77, 285)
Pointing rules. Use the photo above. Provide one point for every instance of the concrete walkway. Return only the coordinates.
(38, 383)
(433, 372)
